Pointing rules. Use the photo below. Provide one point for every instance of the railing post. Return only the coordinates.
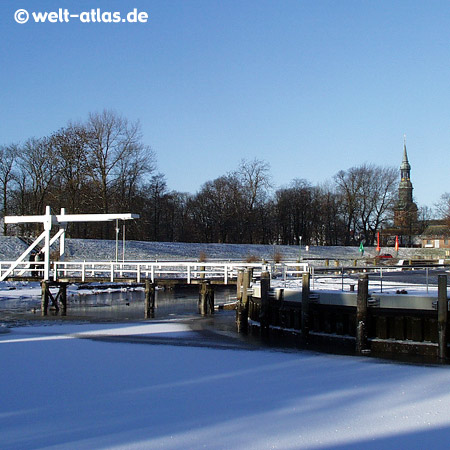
(442, 316)
(381, 279)
(188, 274)
(112, 272)
(138, 273)
(361, 313)
(83, 271)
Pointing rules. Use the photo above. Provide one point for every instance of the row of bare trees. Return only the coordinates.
(97, 166)
(102, 166)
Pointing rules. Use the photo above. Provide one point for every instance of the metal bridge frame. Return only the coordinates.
(48, 220)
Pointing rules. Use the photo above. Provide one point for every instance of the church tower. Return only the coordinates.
(405, 212)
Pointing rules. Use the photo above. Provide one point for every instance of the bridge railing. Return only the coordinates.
(83, 270)
(23, 269)
(223, 271)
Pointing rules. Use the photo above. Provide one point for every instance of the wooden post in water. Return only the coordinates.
(63, 296)
(242, 305)
(149, 299)
(264, 314)
(209, 298)
(305, 305)
(44, 298)
(239, 283)
(361, 313)
(442, 316)
(202, 298)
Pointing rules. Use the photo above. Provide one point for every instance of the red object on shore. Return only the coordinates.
(396, 243)
(378, 242)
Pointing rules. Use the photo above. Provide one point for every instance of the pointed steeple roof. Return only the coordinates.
(405, 163)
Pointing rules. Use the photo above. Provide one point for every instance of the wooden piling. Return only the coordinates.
(242, 304)
(149, 299)
(239, 283)
(44, 298)
(202, 299)
(361, 314)
(63, 297)
(442, 316)
(210, 298)
(264, 315)
(305, 305)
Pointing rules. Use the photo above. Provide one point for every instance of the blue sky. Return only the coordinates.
(312, 87)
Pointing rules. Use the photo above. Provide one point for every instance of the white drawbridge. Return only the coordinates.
(49, 220)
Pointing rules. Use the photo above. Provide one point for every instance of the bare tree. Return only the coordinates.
(8, 161)
(39, 166)
(114, 152)
(255, 181)
(349, 186)
(443, 207)
(367, 194)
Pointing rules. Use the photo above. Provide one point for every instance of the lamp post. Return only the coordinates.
(300, 249)
(117, 240)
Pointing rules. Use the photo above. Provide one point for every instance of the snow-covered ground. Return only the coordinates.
(88, 387)
(104, 250)
(162, 384)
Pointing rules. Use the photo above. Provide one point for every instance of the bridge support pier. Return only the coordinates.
(46, 296)
(149, 299)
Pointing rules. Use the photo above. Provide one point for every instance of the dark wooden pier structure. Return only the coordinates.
(361, 321)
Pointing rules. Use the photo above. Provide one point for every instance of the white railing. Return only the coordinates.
(114, 271)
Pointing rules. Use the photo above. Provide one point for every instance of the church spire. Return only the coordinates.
(405, 168)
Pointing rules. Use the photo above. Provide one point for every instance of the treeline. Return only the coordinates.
(102, 166)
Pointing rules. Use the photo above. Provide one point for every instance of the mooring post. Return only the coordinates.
(305, 305)
(442, 316)
(63, 297)
(202, 298)
(361, 313)
(264, 314)
(242, 306)
(149, 299)
(44, 298)
(210, 298)
(239, 282)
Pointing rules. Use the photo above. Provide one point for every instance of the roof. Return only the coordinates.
(435, 231)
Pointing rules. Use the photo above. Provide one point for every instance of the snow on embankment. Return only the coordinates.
(105, 250)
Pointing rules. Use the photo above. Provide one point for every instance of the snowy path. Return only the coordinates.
(60, 391)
